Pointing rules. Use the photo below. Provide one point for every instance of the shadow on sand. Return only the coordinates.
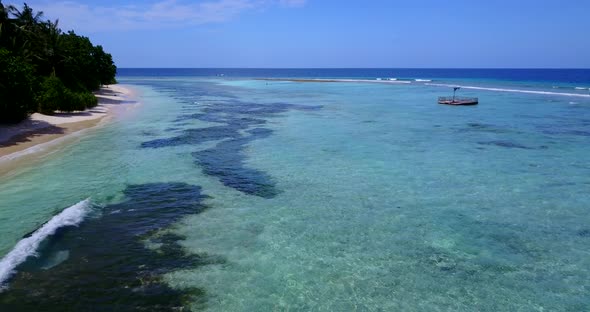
(27, 130)
(37, 128)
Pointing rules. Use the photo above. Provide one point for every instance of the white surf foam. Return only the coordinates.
(358, 80)
(27, 246)
(423, 80)
(510, 90)
(581, 88)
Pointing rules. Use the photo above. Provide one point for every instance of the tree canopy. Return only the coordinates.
(44, 69)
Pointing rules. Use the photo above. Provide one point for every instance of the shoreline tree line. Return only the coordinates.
(43, 69)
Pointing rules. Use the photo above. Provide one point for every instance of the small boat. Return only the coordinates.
(454, 100)
(457, 101)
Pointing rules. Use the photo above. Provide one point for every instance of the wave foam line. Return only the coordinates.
(335, 80)
(509, 90)
(26, 247)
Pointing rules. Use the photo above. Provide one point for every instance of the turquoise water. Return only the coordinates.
(246, 195)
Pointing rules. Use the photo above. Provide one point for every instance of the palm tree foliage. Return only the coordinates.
(44, 69)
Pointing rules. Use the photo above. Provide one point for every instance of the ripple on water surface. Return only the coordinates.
(368, 203)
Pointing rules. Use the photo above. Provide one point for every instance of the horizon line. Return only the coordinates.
(544, 68)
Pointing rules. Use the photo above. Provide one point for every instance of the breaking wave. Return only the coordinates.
(26, 247)
(510, 90)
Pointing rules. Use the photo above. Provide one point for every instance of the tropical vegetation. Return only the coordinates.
(43, 69)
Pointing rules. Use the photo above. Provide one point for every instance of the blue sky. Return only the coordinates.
(330, 33)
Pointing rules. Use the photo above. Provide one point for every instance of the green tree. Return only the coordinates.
(26, 27)
(51, 55)
(105, 66)
(79, 70)
(6, 28)
(3, 16)
(26, 18)
(17, 83)
(44, 69)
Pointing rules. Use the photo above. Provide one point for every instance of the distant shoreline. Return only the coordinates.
(38, 132)
(428, 82)
(334, 80)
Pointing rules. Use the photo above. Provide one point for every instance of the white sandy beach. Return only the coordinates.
(39, 129)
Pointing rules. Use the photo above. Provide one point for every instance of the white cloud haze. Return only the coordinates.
(293, 3)
(160, 14)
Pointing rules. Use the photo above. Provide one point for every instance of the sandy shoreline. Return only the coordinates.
(39, 130)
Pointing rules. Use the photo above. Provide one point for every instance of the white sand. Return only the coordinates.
(107, 97)
(42, 130)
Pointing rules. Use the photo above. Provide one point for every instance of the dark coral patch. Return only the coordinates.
(507, 144)
(226, 159)
(195, 136)
(482, 127)
(108, 267)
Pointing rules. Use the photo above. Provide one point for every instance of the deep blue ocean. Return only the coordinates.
(562, 76)
(216, 190)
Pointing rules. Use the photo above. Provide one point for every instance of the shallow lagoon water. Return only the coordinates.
(318, 196)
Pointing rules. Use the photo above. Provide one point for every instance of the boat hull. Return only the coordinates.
(447, 100)
(458, 102)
